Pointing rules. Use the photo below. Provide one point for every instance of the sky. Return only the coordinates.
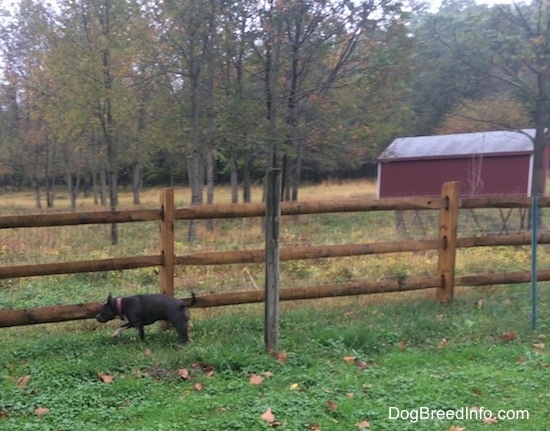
(437, 3)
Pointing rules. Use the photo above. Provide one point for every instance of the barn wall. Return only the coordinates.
(423, 177)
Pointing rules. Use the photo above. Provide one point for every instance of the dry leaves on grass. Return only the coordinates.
(105, 378)
(539, 347)
(508, 336)
(455, 428)
(184, 373)
(332, 405)
(363, 425)
(281, 357)
(269, 417)
(41, 411)
(490, 421)
(256, 380)
(23, 381)
(207, 369)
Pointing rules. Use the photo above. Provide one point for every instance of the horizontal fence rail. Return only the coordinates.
(165, 259)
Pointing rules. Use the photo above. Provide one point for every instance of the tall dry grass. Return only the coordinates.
(41, 245)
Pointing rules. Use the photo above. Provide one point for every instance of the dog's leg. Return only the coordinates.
(181, 324)
(122, 328)
(141, 332)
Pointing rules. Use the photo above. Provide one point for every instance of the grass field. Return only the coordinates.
(374, 362)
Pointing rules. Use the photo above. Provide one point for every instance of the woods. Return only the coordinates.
(108, 93)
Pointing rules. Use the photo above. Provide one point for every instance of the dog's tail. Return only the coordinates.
(192, 302)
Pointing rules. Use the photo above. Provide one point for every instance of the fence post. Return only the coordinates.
(272, 222)
(167, 241)
(448, 220)
(534, 245)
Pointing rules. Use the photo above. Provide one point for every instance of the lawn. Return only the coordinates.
(343, 364)
(380, 362)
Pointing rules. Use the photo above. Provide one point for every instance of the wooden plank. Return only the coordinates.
(501, 240)
(306, 252)
(80, 266)
(448, 219)
(73, 219)
(296, 208)
(496, 202)
(166, 271)
(272, 229)
(61, 313)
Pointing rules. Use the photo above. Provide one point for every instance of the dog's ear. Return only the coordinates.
(110, 298)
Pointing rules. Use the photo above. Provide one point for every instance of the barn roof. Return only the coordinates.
(462, 144)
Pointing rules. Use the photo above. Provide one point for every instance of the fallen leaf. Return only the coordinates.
(349, 395)
(479, 303)
(183, 373)
(147, 352)
(363, 365)
(453, 428)
(508, 336)
(490, 421)
(363, 425)
(268, 416)
(439, 317)
(402, 345)
(281, 357)
(105, 378)
(267, 374)
(23, 381)
(332, 405)
(349, 359)
(442, 343)
(293, 386)
(314, 427)
(205, 368)
(3, 414)
(539, 346)
(256, 380)
(198, 387)
(41, 411)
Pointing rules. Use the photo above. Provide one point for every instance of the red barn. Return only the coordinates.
(485, 163)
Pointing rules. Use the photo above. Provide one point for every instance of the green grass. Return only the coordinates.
(398, 337)
(410, 352)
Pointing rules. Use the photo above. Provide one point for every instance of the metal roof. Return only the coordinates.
(462, 144)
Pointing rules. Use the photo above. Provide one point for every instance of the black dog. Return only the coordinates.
(141, 310)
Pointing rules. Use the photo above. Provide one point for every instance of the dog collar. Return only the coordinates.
(119, 306)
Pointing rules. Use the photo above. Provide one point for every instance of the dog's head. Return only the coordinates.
(108, 310)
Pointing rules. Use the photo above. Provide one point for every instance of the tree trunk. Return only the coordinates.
(246, 177)
(136, 182)
(36, 187)
(297, 172)
(234, 176)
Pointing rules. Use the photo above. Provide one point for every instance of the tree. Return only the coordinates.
(491, 113)
(186, 30)
(26, 87)
(93, 61)
(309, 49)
(510, 48)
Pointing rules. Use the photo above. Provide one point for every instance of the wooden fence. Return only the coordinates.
(443, 279)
